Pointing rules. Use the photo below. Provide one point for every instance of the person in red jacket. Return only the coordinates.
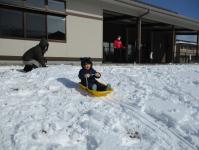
(118, 49)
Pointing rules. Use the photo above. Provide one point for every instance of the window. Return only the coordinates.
(31, 23)
(56, 27)
(12, 2)
(35, 3)
(56, 5)
(11, 23)
(35, 25)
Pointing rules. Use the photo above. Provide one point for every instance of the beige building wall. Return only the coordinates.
(12, 47)
(84, 37)
(84, 28)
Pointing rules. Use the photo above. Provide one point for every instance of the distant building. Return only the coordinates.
(186, 52)
(79, 28)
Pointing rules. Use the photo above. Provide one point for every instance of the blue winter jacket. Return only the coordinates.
(91, 80)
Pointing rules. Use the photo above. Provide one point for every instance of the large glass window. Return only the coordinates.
(11, 23)
(35, 25)
(56, 27)
(35, 3)
(12, 2)
(56, 5)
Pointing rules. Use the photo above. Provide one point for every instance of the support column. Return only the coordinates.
(127, 42)
(173, 53)
(139, 39)
(197, 47)
(152, 47)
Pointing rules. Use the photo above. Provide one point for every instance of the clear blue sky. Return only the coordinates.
(189, 8)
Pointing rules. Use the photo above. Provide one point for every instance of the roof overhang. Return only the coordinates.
(154, 13)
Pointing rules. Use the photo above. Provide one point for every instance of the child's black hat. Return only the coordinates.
(86, 60)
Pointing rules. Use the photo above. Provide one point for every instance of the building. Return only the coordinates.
(186, 52)
(79, 28)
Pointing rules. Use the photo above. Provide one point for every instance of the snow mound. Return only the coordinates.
(151, 108)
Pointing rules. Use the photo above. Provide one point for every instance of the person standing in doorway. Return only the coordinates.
(118, 49)
(190, 58)
(151, 56)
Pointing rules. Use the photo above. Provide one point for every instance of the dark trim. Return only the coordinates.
(32, 39)
(33, 8)
(84, 16)
(10, 58)
(118, 18)
(61, 0)
(186, 33)
(50, 11)
(19, 58)
(69, 59)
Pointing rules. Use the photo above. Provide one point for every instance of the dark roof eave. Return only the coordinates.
(190, 23)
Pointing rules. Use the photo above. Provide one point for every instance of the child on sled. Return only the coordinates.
(88, 76)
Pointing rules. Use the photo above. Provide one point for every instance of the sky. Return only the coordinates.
(189, 8)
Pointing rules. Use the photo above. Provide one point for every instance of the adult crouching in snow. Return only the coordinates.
(34, 57)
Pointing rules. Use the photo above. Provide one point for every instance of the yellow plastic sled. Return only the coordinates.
(95, 93)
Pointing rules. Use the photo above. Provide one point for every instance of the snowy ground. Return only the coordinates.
(46, 110)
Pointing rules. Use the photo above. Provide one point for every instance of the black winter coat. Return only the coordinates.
(91, 80)
(37, 53)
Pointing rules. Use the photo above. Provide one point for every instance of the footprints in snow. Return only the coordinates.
(196, 82)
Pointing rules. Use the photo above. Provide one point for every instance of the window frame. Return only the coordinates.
(32, 6)
(17, 5)
(54, 10)
(38, 10)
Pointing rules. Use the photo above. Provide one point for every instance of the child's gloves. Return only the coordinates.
(98, 74)
(87, 75)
